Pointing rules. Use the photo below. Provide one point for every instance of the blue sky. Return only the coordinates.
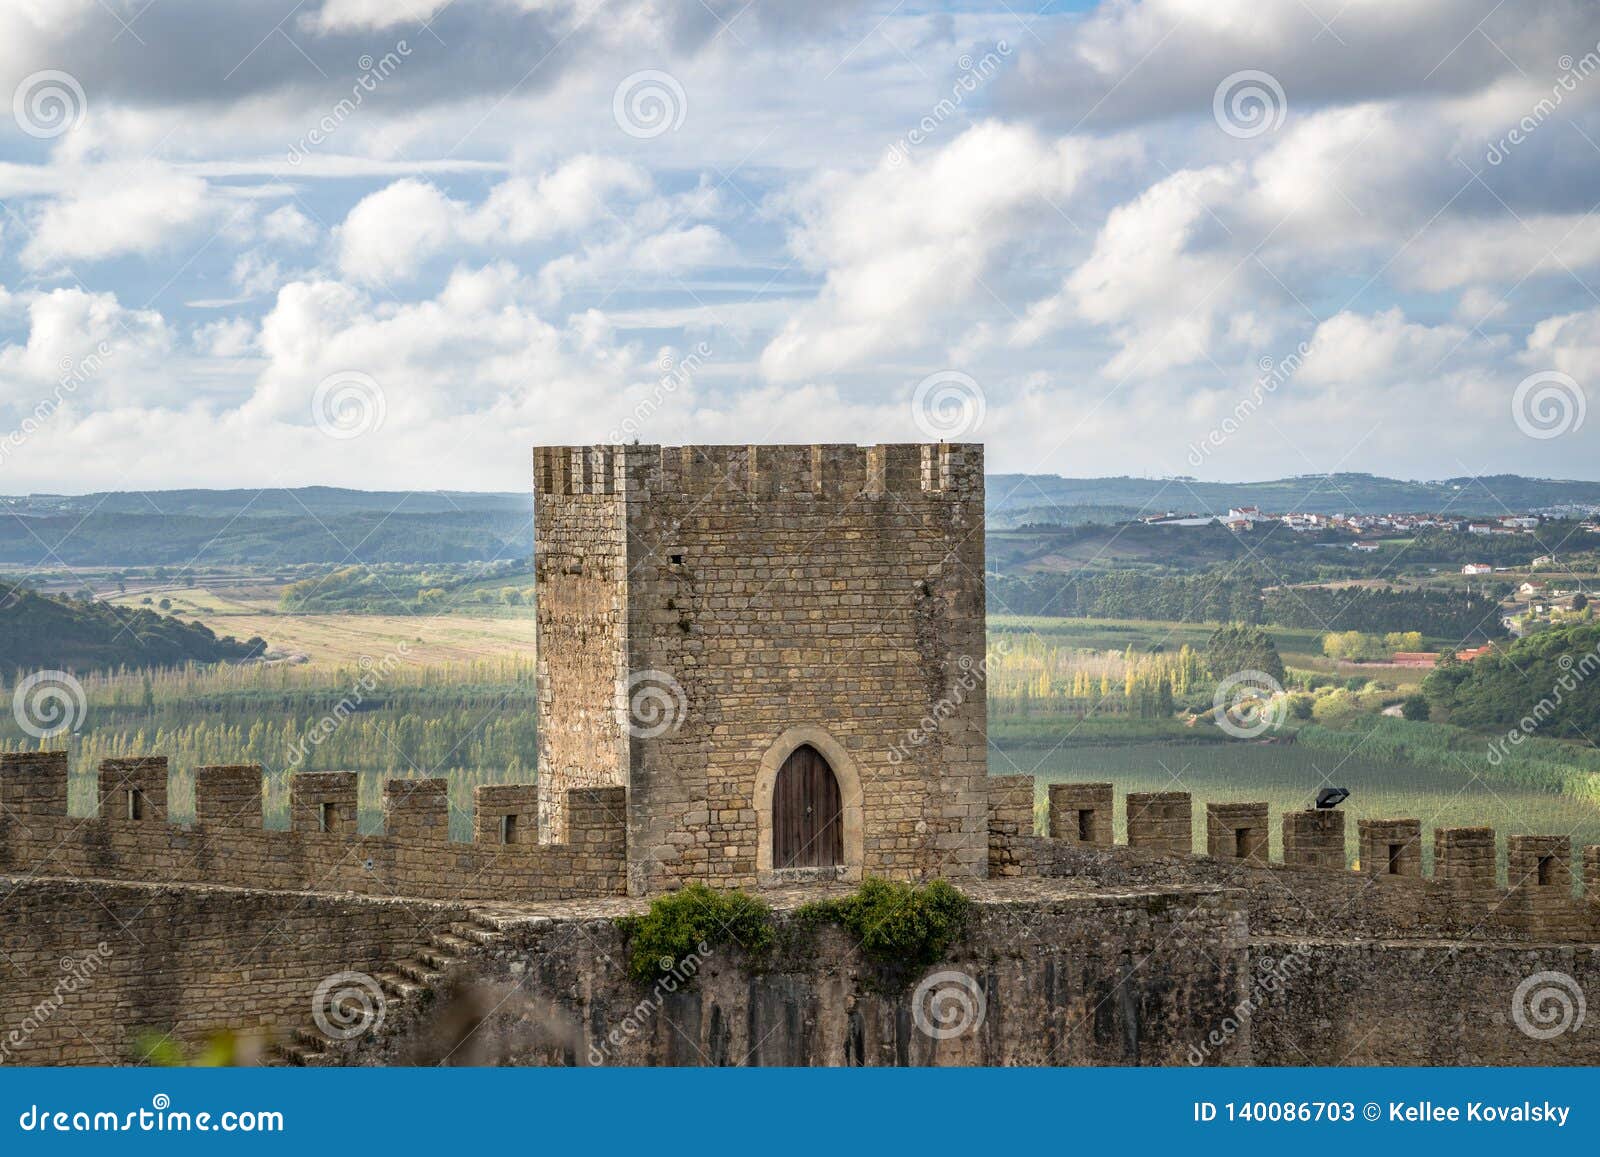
(394, 243)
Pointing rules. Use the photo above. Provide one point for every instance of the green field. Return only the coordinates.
(1287, 778)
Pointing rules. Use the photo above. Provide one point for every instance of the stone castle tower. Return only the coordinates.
(777, 650)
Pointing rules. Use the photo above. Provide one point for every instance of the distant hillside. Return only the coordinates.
(1015, 498)
(40, 631)
(299, 502)
(166, 540)
(320, 524)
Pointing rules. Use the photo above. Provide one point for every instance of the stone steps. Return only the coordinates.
(406, 980)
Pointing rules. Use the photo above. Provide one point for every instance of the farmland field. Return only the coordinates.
(334, 640)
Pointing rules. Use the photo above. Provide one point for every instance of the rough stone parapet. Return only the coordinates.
(1010, 816)
(1390, 848)
(1082, 813)
(1238, 831)
(133, 789)
(1314, 838)
(132, 838)
(1161, 821)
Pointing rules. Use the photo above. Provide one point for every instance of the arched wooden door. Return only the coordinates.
(807, 819)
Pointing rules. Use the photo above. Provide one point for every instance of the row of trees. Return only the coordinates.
(1355, 646)
(1444, 614)
(402, 589)
(1129, 594)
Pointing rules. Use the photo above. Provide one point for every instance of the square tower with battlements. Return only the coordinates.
(777, 650)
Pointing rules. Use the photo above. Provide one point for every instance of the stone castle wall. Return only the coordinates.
(1411, 1002)
(131, 837)
(98, 972)
(772, 594)
(1312, 893)
(1119, 979)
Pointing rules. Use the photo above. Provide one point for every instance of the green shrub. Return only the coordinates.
(690, 922)
(1415, 707)
(902, 929)
(1338, 706)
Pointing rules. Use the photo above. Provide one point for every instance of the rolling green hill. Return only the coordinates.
(41, 631)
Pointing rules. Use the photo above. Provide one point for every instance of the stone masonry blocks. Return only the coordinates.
(506, 813)
(1465, 857)
(1082, 813)
(1010, 817)
(1237, 831)
(1161, 821)
(417, 809)
(324, 801)
(228, 795)
(33, 783)
(134, 789)
(1314, 838)
(1390, 848)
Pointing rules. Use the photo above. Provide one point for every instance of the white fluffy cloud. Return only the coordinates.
(482, 237)
(906, 246)
(390, 233)
(113, 210)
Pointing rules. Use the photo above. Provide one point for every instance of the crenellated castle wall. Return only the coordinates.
(132, 838)
(1312, 892)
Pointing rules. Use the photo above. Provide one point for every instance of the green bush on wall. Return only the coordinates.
(678, 923)
(902, 929)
